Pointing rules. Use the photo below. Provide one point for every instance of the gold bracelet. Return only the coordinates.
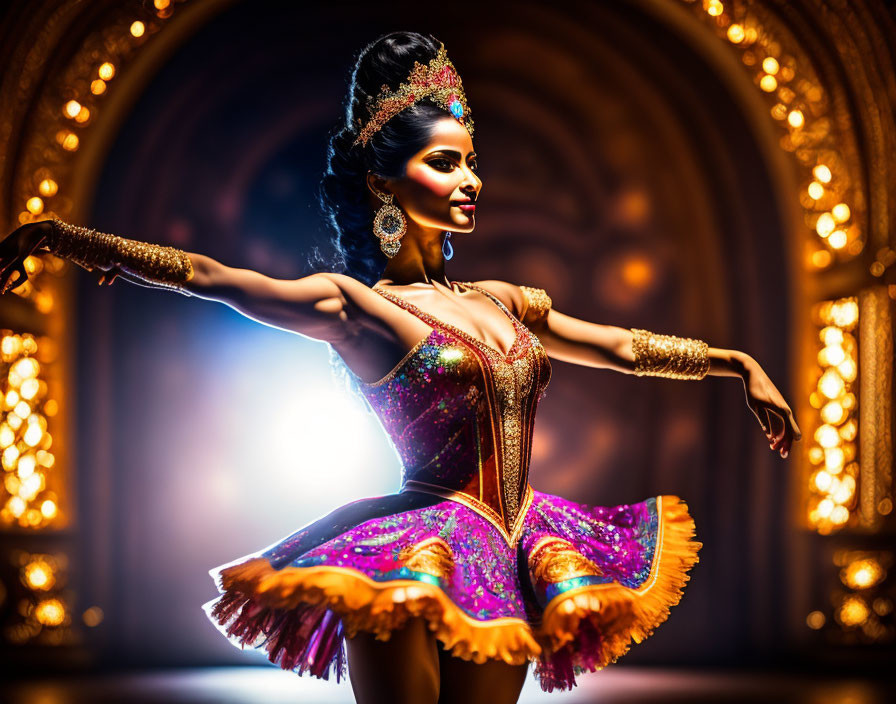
(669, 356)
(158, 265)
(538, 302)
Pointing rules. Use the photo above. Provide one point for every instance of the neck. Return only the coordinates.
(419, 260)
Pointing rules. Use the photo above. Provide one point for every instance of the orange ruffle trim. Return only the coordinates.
(620, 613)
(382, 607)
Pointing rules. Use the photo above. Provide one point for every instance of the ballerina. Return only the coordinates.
(446, 590)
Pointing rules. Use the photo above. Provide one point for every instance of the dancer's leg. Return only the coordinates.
(401, 670)
(492, 682)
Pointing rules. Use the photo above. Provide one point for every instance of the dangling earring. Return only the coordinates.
(389, 225)
(447, 249)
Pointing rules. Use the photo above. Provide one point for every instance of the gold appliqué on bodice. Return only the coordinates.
(510, 379)
(554, 559)
(432, 556)
(513, 381)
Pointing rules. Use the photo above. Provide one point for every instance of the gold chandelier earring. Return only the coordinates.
(389, 226)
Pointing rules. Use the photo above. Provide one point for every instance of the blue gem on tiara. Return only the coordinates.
(456, 108)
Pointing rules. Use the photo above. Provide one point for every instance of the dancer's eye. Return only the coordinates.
(435, 164)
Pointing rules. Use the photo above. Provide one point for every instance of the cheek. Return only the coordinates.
(433, 184)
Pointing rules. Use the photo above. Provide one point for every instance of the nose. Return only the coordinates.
(472, 184)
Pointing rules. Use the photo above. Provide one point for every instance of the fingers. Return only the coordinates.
(780, 439)
(14, 277)
(5, 275)
(777, 435)
(789, 433)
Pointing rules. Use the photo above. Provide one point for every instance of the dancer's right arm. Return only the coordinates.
(319, 305)
(325, 306)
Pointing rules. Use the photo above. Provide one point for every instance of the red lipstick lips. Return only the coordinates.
(467, 205)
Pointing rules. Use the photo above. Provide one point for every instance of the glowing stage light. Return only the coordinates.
(837, 239)
(840, 212)
(822, 173)
(50, 612)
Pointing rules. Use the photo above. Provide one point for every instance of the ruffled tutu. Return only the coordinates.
(577, 585)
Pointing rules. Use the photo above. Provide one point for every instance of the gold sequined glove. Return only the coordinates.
(155, 265)
(669, 356)
(538, 303)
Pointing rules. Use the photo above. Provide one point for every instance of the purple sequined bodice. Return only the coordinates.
(461, 416)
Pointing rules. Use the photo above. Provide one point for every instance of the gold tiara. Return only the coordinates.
(438, 80)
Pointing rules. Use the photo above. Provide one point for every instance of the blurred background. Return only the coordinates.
(719, 170)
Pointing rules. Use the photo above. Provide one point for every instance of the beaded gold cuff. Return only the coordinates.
(157, 265)
(538, 303)
(669, 356)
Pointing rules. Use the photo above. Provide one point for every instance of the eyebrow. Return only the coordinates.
(451, 152)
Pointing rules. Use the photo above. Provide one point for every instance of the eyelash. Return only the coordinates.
(474, 167)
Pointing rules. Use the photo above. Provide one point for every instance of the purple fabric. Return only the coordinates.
(486, 583)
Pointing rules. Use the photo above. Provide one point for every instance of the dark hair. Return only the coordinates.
(343, 194)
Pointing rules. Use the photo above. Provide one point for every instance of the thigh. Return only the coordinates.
(492, 682)
(403, 669)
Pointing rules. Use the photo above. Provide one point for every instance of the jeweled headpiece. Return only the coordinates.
(438, 80)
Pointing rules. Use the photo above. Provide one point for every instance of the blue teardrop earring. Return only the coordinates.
(447, 249)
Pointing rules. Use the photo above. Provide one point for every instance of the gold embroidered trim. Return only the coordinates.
(431, 556)
(482, 509)
(538, 303)
(512, 380)
(669, 356)
(553, 559)
(509, 380)
(161, 266)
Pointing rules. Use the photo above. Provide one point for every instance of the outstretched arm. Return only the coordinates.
(610, 347)
(325, 306)
(643, 353)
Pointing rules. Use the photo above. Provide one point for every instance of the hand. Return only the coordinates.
(15, 248)
(769, 407)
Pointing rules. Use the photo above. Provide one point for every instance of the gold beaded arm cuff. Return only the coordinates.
(538, 303)
(158, 266)
(669, 356)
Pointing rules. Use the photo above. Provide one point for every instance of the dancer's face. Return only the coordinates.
(437, 178)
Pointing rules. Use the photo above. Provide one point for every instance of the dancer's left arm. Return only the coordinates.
(590, 344)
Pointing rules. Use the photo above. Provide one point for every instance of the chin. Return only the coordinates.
(466, 226)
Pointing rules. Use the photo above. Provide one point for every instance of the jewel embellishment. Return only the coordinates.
(438, 81)
(389, 225)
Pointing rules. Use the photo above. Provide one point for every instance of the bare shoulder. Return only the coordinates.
(509, 294)
(361, 308)
(530, 304)
(350, 290)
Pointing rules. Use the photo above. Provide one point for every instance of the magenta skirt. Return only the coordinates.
(570, 591)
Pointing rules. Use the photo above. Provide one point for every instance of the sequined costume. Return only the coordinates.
(498, 569)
